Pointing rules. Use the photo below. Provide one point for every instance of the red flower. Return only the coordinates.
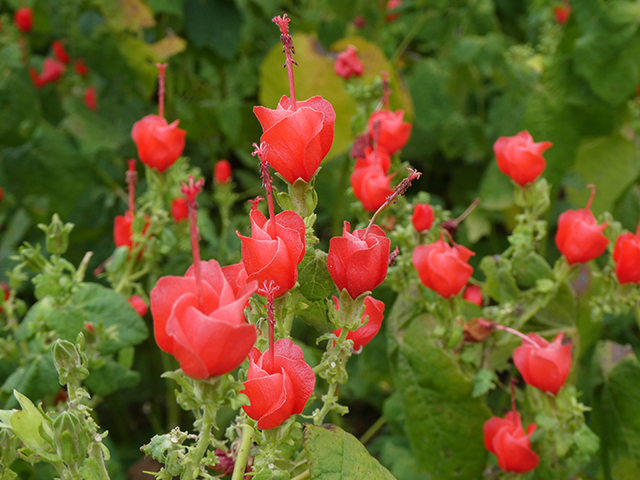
(6, 293)
(272, 253)
(159, 143)
(52, 70)
(222, 172)
(392, 5)
(208, 337)
(377, 158)
(579, 237)
(371, 186)
(179, 209)
(277, 390)
(546, 366)
(80, 68)
(562, 13)
(442, 268)
(388, 130)
(473, 294)
(139, 305)
(373, 314)
(59, 52)
(519, 158)
(626, 254)
(122, 230)
(505, 438)
(422, 217)
(236, 275)
(91, 98)
(348, 64)
(23, 18)
(297, 139)
(358, 264)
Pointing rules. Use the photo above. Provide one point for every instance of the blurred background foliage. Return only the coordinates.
(464, 71)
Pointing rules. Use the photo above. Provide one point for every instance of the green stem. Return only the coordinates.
(204, 440)
(96, 453)
(373, 429)
(243, 454)
(303, 476)
(328, 404)
(173, 409)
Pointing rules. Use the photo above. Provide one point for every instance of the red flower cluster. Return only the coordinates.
(222, 172)
(442, 268)
(579, 237)
(542, 364)
(205, 331)
(298, 135)
(388, 130)
(280, 389)
(373, 315)
(356, 262)
(505, 438)
(272, 254)
(159, 143)
(626, 255)
(348, 64)
(519, 158)
(422, 217)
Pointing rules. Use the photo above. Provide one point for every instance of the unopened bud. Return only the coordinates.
(69, 361)
(57, 235)
(70, 438)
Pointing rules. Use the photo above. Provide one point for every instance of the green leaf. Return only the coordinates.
(483, 382)
(335, 454)
(612, 164)
(313, 275)
(101, 304)
(529, 268)
(500, 283)
(110, 377)
(443, 421)
(215, 24)
(315, 315)
(29, 425)
(37, 379)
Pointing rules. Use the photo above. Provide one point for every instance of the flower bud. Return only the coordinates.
(69, 361)
(91, 98)
(71, 439)
(422, 217)
(59, 52)
(542, 364)
(348, 64)
(139, 305)
(389, 130)
(222, 172)
(626, 254)
(505, 438)
(442, 268)
(57, 235)
(519, 158)
(23, 18)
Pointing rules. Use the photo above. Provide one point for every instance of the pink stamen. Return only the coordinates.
(497, 326)
(161, 73)
(191, 191)
(269, 289)
(387, 89)
(132, 179)
(255, 202)
(261, 152)
(400, 189)
(289, 50)
(593, 194)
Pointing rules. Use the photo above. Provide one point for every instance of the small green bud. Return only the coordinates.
(32, 257)
(69, 361)
(70, 438)
(57, 235)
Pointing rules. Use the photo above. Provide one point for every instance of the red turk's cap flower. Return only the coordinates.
(347, 63)
(277, 391)
(373, 315)
(579, 237)
(139, 305)
(388, 130)
(626, 254)
(473, 294)
(298, 139)
(546, 366)
(372, 158)
(371, 186)
(122, 230)
(52, 70)
(358, 264)
(222, 172)
(442, 268)
(273, 251)
(80, 68)
(236, 275)
(23, 18)
(179, 209)
(159, 143)
(562, 13)
(505, 438)
(422, 217)
(91, 98)
(519, 158)
(60, 53)
(209, 337)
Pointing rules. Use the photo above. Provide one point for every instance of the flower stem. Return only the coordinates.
(373, 429)
(243, 454)
(497, 326)
(303, 476)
